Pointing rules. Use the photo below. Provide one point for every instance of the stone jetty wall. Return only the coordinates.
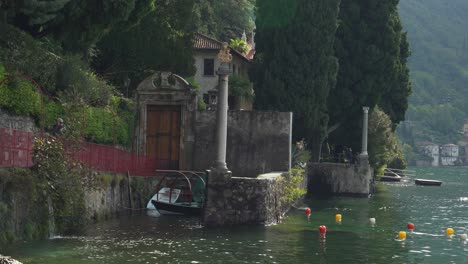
(340, 179)
(240, 200)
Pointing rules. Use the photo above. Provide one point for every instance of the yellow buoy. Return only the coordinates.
(449, 231)
(338, 218)
(402, 235)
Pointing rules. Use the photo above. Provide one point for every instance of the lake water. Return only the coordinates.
(174, 239)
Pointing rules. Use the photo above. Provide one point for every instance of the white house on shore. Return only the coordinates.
(444, 155)
(430, 150)
(448, 154)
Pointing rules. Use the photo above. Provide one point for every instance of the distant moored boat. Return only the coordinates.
(427, 182)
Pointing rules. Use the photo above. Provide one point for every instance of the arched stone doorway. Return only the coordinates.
(166, 115)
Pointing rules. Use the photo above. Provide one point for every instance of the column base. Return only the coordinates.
(218, 195)
(219, 166)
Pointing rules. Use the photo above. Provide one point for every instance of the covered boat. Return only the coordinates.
(427, 182)
(180, 192)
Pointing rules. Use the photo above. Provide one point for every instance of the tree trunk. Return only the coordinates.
(315, 145)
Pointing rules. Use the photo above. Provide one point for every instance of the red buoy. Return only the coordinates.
(308, 211)
(410, 226)
(322, 229)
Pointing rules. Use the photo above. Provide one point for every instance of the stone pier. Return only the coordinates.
(343, 178)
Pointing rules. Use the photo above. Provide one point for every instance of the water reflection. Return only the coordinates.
(178, 239)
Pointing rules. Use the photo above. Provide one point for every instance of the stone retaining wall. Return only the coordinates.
(257, 142)
(23, 123)
(239, 200)
(340, 179)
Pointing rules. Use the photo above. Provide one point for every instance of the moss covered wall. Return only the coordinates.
(26, 211)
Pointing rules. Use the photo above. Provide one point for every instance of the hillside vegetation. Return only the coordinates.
(438, 35)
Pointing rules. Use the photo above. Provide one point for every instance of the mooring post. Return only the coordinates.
(130, 200)
(219, 177)
(365, 121)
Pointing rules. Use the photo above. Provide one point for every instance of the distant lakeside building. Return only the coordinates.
(439, 155)
(447, 154)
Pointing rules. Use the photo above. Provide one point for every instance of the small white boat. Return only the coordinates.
(165, 195)
(183, 193)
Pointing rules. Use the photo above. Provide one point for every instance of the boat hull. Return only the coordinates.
(180, 208)
(390, 179)
(427, 182)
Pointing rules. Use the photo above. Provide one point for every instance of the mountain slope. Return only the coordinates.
(438, 34)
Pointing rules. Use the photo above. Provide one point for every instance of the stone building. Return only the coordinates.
(448, 154)
(206, 63)
(172, 130)
(431, 150)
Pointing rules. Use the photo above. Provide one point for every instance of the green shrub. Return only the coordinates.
(102, 123)
(20, 97)
(292, 184)
(20, 52)
(61, 180)
(75, 82)
(239, 86)
(52, 111)
(201, 105)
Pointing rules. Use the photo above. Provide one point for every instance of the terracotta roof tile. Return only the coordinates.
(201, 41)
(251, 54)
(204, 42)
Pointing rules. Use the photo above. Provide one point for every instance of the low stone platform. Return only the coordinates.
(241, 200)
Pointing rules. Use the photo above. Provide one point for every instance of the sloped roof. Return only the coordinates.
(201, 41)
(251, 54)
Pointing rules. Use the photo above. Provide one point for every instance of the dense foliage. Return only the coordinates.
(296, 73)
(224, 19)
(439, 69)
(61, 180)
(88, 54)
(384, 147)
(75, 24)
(159, 42)
(372, 51)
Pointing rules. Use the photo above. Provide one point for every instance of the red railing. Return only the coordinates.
(16, 151)
(15, 148)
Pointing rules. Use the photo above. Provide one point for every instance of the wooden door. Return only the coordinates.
(163, 135)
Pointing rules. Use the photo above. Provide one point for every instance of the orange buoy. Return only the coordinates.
(449, 232)
(338, 218)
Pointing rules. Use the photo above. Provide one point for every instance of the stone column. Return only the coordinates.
(217, 210)
(364, 130)
(221, 117)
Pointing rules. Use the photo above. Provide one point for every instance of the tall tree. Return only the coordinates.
(224, 19)
(77, 24)
(159, 42)
(295, 66)
(372, 50)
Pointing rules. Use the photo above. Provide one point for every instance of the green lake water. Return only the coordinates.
(173, 239)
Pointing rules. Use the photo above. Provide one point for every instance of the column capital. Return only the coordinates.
(223, 69)
(365, 109)
(224, 54)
